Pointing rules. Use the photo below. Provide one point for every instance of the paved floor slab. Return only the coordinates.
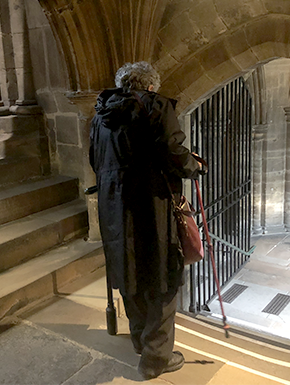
(30, 355)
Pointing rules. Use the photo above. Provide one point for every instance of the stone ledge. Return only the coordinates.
(44, 276)
(23, 239)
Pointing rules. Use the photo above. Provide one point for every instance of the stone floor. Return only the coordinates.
(266, 274)
(64, 342)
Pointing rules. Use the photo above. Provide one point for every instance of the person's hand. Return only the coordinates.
(200, 164)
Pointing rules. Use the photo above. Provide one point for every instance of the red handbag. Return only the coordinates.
(188, 232)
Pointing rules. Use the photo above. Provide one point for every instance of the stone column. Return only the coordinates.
(8, 81)
(258, 221)
(85, 103)
(23, 68)
(287, 173)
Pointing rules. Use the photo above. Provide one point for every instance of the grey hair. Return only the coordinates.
(137, 76)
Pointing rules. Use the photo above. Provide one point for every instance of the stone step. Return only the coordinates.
(91, 291)
(28, 237)
(44, 276)
(15, 146)
(28, 198)
(22, 124)
(19, 170)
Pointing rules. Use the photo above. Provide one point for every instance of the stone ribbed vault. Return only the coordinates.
(194, 44)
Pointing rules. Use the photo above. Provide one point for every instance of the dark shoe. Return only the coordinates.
(175, 363)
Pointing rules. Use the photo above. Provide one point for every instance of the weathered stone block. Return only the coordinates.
(204, 14)
(269, 37)
(21, 50)
(217, 62)
(47, 102)
(8, 51)
(165, 63)
(17, 16)
(182, 36)
(70, 160)
(38, 58)
(51, 135)
(239, 49)
(184, 103)
(5, 26)
(200, 87)
(26, 92)
(67, 129)
(35, 15)
(169, 88)
(56, 67)
(278, 6)
(173, 8)
(10, 92)
(187, 74)
(64, 104)
(238, 12)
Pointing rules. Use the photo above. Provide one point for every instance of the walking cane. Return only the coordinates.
(210, 248)
(111, 315)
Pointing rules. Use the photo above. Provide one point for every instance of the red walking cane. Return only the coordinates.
(210, 248)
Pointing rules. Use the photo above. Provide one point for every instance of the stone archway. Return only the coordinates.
(195, 45)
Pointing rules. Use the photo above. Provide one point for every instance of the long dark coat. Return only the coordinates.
(129, 149)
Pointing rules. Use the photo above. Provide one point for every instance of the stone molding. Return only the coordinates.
(26, 110)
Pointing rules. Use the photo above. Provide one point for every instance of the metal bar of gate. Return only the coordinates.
(222, 135)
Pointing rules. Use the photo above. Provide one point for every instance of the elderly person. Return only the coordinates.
(135, 140)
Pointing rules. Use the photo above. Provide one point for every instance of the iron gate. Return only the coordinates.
(221, 134)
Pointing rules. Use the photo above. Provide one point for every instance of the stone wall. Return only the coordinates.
(67, 114)
(195, 45)
(277, 75)
(66, 124)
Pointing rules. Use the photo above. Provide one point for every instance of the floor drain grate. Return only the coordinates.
(277, 305)
(230, 295)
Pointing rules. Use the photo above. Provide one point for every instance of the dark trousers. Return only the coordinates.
(151, 321)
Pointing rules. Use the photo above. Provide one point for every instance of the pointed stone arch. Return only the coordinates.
(232, 54)
(195, 45)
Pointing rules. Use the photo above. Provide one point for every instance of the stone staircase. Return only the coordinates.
(43, 227)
